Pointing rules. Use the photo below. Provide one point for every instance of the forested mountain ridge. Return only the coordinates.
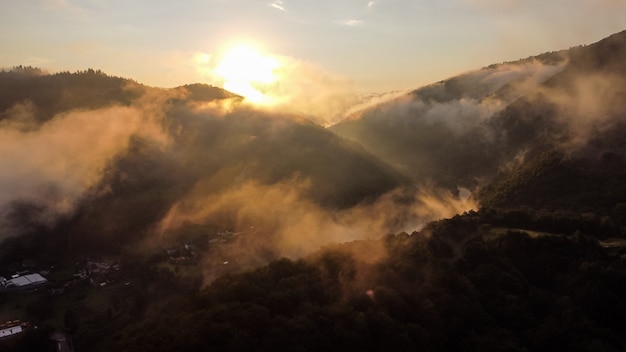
(148, 149)
(573, 133)
(51, 94)
(463, 131)
(183, 184)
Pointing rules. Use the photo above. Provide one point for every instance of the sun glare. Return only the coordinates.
(247, 72)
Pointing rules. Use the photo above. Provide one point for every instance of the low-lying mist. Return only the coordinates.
(137, 173)
(52, 165)
(279, 220)
(461, 132)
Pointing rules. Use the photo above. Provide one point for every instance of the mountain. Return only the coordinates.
(440, 133)
(209, 158)
(49, 94)
(540, 267)
(118, 157)
(569, 136)
(464, 131)
(160, 216)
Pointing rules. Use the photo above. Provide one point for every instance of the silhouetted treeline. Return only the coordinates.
(63, 91)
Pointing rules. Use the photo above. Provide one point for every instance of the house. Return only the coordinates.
(101, 272)
(23, 281)
(10, 328)
(103, 266)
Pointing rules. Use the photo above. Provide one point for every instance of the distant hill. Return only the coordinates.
(464, 131)
(440, 133)
(570, 136)
(52, 94)
(211, 155)
(182, 149)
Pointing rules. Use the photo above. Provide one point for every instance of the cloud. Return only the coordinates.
(56, 164)
(443, 133)
(278, 220)
(462, 101)
(590, 105)
(300, 88)
(370, 101)
(278, 5)
(308, 90)
(352, 23)
(52, 165)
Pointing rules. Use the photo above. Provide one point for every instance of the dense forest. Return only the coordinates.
(473, 282)
(459, 284)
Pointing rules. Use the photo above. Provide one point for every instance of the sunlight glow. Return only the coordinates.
(247, 72)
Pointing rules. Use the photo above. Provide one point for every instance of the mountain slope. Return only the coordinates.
(463, 131)
(569, 136)
(49, 95)
(128, 156)
(439, 133)
(457, 285)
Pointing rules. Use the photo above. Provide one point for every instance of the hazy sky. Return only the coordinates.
(379, 45)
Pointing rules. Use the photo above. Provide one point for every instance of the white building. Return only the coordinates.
(12, 330)
(25, 281)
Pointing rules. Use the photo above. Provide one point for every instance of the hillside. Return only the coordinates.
(463, 131)
(569, 136)
(439, 133)
(48, 95)
(100, 169)
(128, 155)
(459, 284)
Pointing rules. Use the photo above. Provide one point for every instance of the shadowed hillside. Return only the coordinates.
(152, 150)
(568, 136)
(463, 131)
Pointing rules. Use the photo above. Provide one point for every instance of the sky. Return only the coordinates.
(378, 46)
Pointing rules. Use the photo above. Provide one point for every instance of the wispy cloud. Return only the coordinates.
(352, 22)
(278, 4)
(371, 4)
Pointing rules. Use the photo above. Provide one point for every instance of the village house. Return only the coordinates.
(17, 282)
(10, 328)
(101, 272)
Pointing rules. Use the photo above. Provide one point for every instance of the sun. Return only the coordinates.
(247, 72)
